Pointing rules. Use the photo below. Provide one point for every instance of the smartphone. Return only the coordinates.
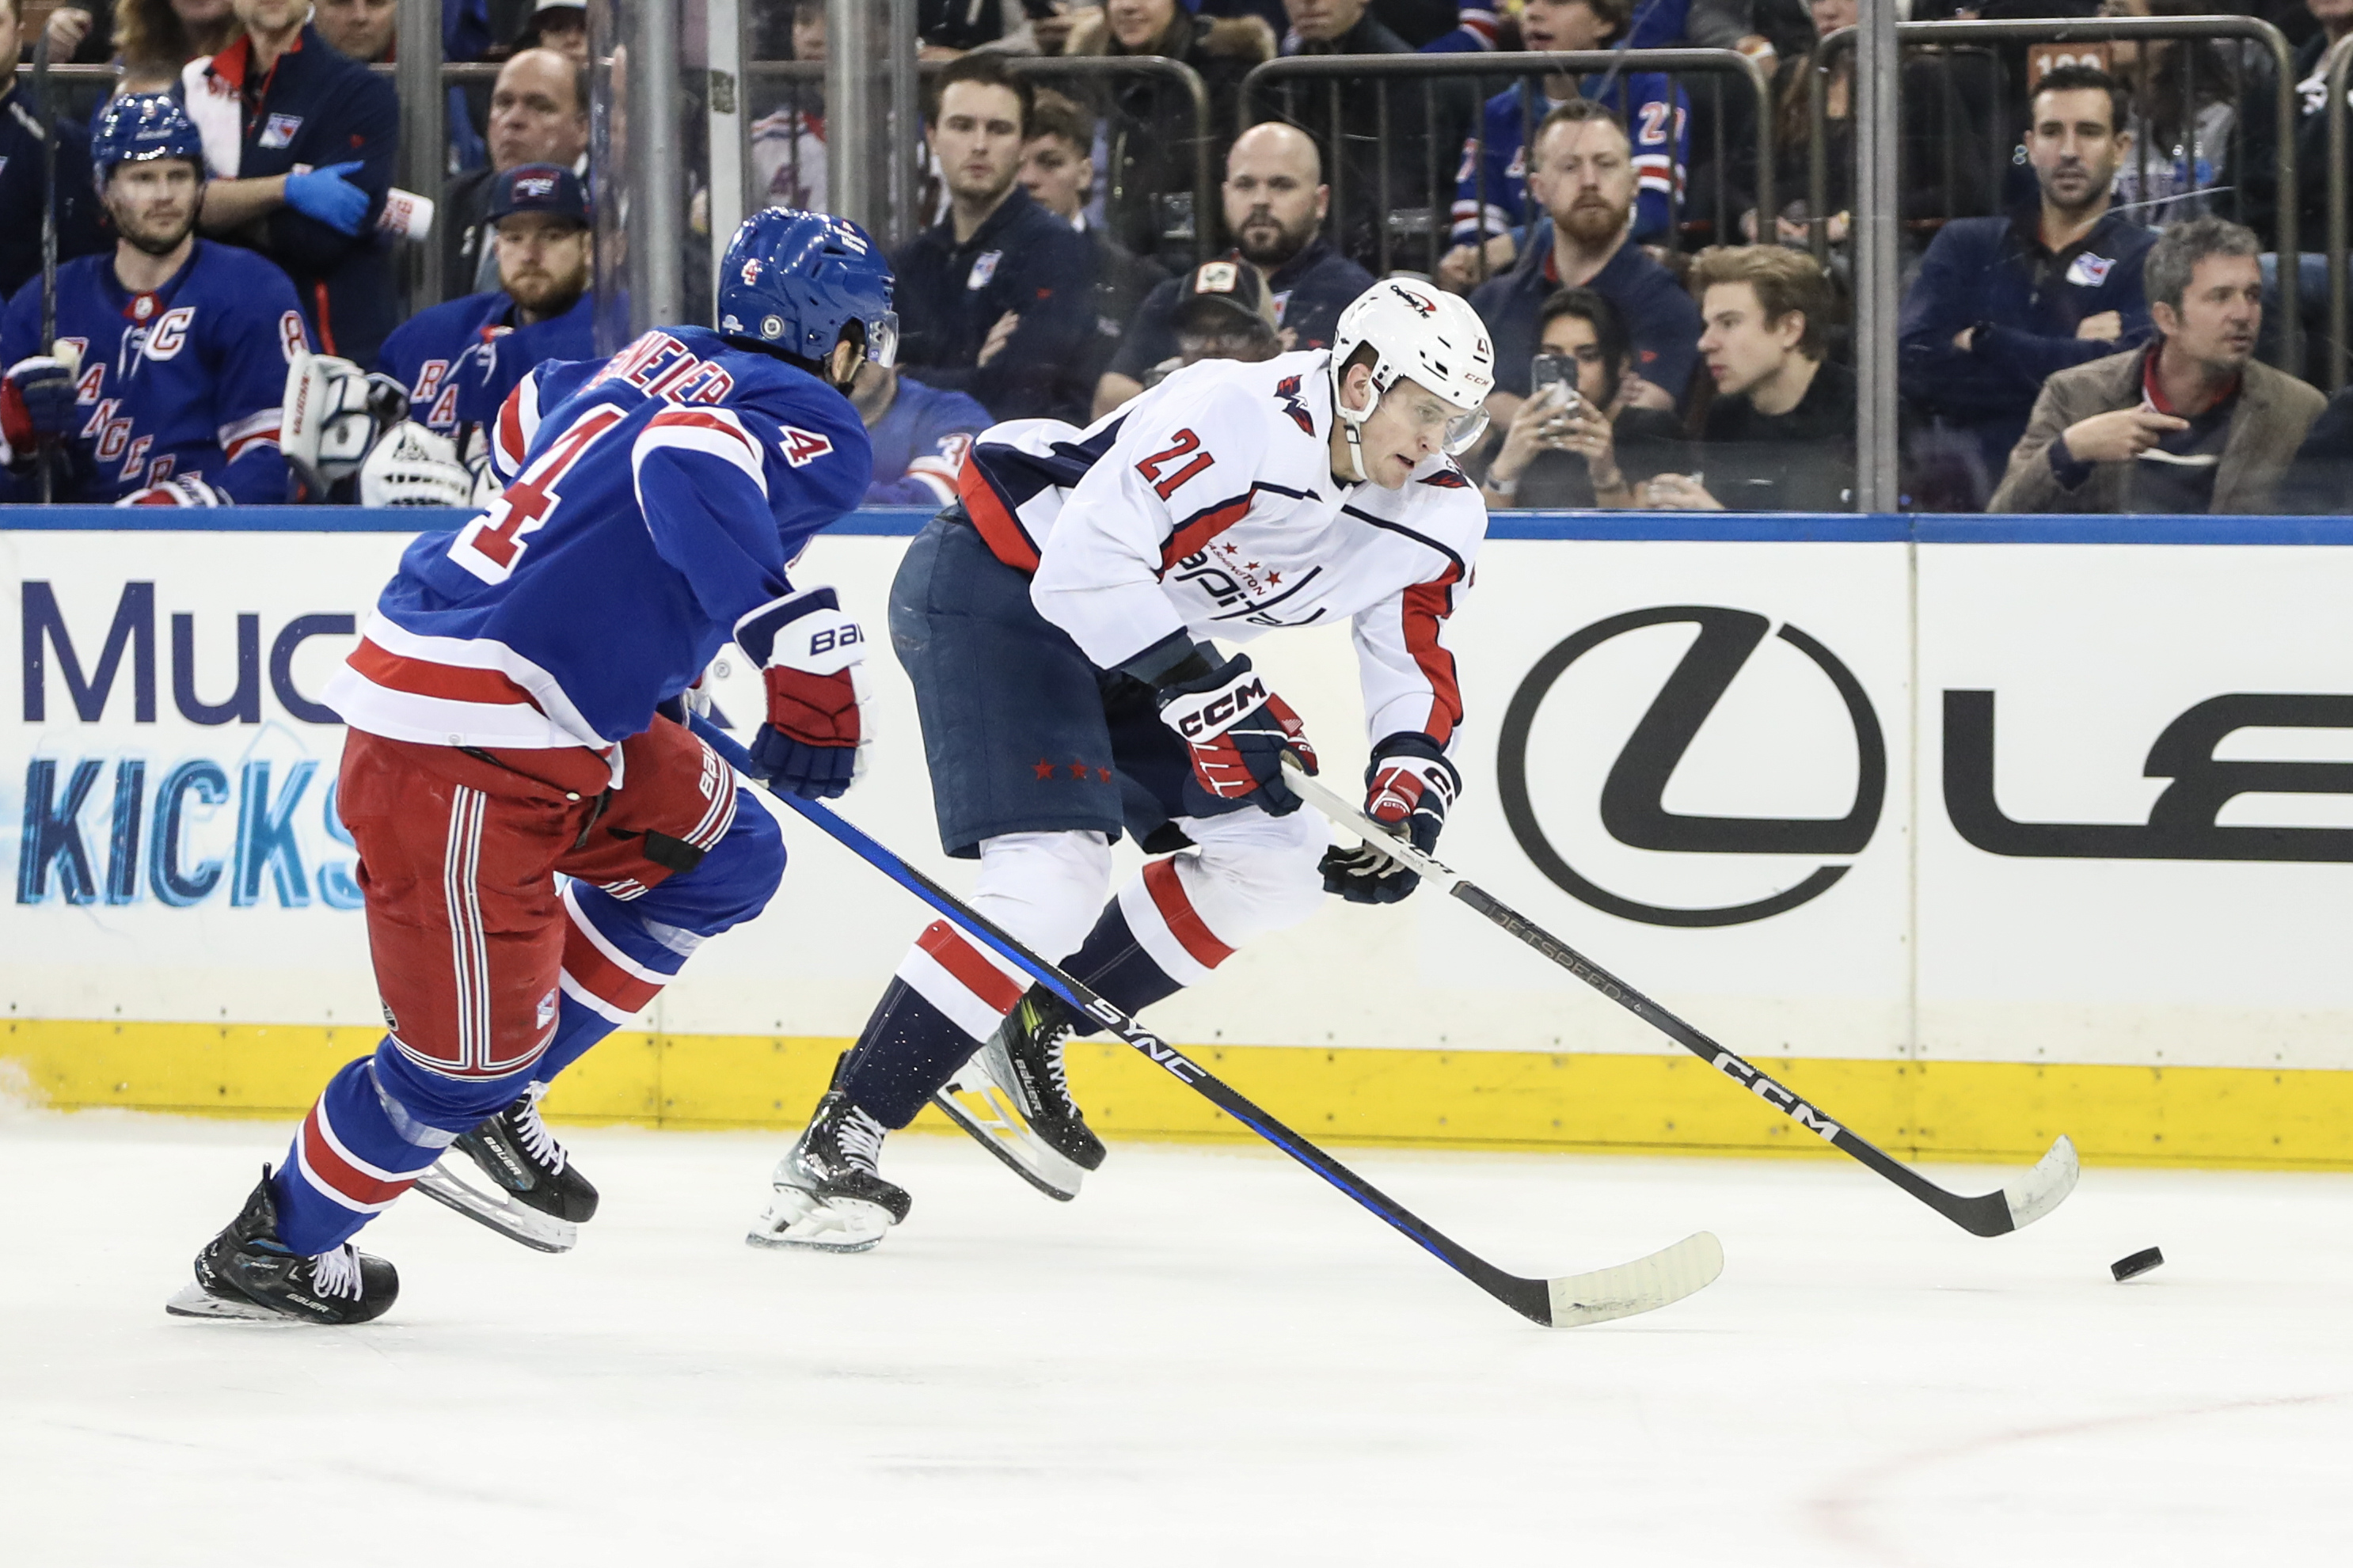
(1556, 373)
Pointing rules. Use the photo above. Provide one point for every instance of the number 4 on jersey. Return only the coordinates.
(488, 546)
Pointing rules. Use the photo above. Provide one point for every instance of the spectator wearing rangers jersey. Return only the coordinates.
(1586, 164)
(920, 436)
(74, 201)
(1491, 194)
(169, 367)
(459, 360)
(505, 731)
(998, 295)
(1275, 203)
(1055, 627)
(300, 143)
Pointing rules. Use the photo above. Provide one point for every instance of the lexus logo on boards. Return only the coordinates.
(1633, 809)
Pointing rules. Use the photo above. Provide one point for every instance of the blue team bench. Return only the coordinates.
(1845, 528)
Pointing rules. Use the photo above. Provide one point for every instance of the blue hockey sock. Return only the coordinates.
(907, 1050)
(1112, 964)
(356, 1153)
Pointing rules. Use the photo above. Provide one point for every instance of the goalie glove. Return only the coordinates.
(411, 466)
(1409, 788)
(186, 490)
(333, 414)
(810, 654)
(1235, 731)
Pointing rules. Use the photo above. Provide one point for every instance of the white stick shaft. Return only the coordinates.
(1345, 816)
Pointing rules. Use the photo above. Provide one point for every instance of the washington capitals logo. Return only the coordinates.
(1287, 389)
(1422, 303)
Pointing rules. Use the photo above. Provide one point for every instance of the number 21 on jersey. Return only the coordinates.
(489, 546)
(1164, 487)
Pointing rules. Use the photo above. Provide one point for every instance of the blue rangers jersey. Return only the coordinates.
(186, 381)
(459, 360)
(920, 444)
(1658, 121)
(651, 500)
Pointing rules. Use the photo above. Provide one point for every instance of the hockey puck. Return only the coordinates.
(2139, 1263)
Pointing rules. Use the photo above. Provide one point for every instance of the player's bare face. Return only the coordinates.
(1408, 428)
(543, 261)
(978, 139)
(1588, 177)
(153, 204)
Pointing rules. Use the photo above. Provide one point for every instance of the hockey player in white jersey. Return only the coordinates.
(1055, 623)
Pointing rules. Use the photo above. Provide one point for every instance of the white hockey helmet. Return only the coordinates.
(1417, 330)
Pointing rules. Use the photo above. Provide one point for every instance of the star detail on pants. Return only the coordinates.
(1043, 769)
(1103, 773)
(1078, 770)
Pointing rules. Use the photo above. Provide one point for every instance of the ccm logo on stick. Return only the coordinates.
(1774, 1095)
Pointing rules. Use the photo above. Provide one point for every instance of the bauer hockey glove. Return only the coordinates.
(1236, 732)
(328, 195)
(809, 652)
(1408, 790)
(37, 401)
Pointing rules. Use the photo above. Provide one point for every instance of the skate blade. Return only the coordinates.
(195, 1301)
(497, 1210)
(974, 1101)
(802, 1220)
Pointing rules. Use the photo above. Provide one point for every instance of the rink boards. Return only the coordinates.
(1977, 830)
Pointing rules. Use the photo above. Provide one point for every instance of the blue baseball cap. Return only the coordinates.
(539, 188)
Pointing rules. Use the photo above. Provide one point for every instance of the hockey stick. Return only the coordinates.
(2018, 1203)
(47, 108)
(1642, 1286)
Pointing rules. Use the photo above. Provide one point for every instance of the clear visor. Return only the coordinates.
(1463, 430)
(882, 339)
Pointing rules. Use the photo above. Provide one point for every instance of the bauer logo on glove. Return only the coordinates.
(812, 657)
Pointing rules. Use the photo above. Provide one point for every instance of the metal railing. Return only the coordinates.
(1265, 80)
(2340, 57)
(1183, 78)
(2096, 30)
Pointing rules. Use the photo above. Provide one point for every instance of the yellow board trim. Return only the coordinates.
(2223, 1117)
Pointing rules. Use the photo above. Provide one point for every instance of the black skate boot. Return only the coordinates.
(247, 1272)
(532, 1195)
(828, 1193)
(1012, 1097)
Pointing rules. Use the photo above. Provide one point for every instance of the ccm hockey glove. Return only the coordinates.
(1237, 731)
(185, 491)
(809, 652)
(1408, 790)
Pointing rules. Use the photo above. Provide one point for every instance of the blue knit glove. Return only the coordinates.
(328, 195)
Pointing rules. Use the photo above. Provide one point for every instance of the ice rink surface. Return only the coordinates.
(1209, 1359)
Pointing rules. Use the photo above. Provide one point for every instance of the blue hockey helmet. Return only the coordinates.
(794, 279)
(139, 128)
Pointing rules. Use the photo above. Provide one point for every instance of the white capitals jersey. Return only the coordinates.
(1207, 505)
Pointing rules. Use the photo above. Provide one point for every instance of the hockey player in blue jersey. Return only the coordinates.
(504, 732)
(457, 361)
(164, 383)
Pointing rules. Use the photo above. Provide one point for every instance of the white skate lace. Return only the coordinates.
(537, 1140)
(1055, 1039)
(861, 1140)
(336, 1273)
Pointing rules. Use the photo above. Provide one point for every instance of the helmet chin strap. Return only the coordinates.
(1352, 427)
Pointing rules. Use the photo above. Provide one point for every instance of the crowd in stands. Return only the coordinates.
(2091, 319)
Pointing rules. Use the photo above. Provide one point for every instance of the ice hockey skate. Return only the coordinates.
(829, 1196)
(1012, 1096)
(247, 1272)
(532, 1193)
